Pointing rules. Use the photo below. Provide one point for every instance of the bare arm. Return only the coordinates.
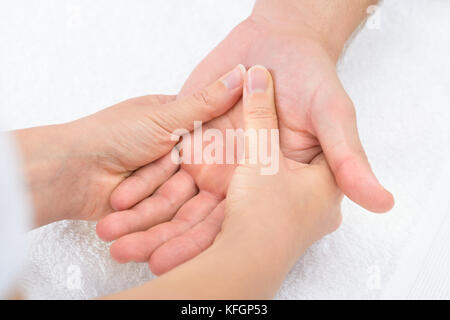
(232, 268)
(72, 168)
(57, 171)
(332, 20)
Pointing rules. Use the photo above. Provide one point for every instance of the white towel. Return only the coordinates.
(422, 272)
(65, 59)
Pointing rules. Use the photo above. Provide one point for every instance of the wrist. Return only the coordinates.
(279, 242)
(56, 176)
(272, 253)
(330, 23)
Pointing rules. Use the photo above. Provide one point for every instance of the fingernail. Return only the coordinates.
(234, 79)
(257, 79)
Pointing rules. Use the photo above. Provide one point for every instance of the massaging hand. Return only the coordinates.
(269, 220)
(82, 162)
(315, 115)
(304, 196)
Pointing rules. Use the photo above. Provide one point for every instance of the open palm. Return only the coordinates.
(184, 214)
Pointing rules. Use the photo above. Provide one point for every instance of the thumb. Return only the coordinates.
(204, 105)
(335, 124)
(261, 124)
(259, 102)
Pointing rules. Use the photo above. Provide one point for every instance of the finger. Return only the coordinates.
(203, 105)
(262, 142)
(142, 183)
(159, 208)
(259, 103)
(139, 246)
(335, 126)
(189, 244)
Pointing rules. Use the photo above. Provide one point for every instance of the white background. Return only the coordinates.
(60, 60)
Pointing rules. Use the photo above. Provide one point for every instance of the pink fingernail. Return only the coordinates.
(234, 79)
(257, 79)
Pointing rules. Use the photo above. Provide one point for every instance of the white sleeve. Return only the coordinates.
(14, 216)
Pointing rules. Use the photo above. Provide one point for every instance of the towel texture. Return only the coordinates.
(65, 59)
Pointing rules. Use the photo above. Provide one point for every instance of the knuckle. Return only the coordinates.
(203, 98)
(162, 125)
(261, 113)
(205, 102)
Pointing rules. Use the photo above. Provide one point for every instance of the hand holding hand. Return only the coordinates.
(74, 173)
(315, 115)
(300, 203)
(268, 220)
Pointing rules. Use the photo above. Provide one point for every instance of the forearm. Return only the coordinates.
(332, 21)
(55, 176)
(243, 264)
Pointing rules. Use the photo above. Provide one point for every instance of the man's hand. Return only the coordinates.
(300, 42)
(73, 168)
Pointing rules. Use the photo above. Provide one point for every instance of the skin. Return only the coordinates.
(305, 198)
(300, 42)
(88, 158)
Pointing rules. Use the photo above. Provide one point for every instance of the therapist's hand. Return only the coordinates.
(266, 210)
(268, 221)
(300, 42)
(73, 168)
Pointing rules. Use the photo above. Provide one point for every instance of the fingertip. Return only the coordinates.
(386, 202)
(127, 194)
(110, 227)
(102, 230)
(381, 201)
(156, 267)
(377, 199)
(131, 247)
(118, 202)
(360, 184)
(161, 260)
(172, 254)
(235, 78)
(119, 252)
(258, 79)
